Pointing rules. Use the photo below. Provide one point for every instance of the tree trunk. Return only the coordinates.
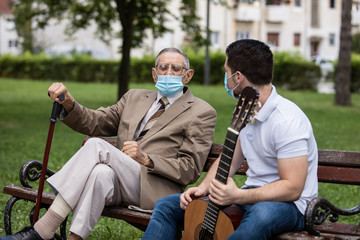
(28, 37)
(343, 73)
(126, 11)
(124, 69)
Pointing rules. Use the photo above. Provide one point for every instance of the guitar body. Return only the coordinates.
(194, 216)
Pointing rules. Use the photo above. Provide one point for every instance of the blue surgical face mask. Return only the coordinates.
(169, 85)
(230, 91)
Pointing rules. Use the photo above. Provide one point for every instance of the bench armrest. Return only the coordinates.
(319, 209)
(31, 171)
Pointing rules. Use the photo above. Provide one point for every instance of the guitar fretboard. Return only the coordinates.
(222, 174)
(226, 156)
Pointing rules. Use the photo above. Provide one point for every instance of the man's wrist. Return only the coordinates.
(150, 163)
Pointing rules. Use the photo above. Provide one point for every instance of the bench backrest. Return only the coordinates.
(335, 166)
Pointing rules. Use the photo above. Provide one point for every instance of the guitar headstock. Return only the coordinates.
(244, 108)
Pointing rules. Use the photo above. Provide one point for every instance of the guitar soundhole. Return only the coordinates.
(203, 234)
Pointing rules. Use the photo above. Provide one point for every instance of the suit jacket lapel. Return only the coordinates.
(172, 112)
(141, 109)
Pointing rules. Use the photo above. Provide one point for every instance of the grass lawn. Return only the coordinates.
(24, 122)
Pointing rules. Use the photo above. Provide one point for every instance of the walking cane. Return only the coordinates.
(54, 113)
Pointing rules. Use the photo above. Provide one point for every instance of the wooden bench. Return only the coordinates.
(335, 166)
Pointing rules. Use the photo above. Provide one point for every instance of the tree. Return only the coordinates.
(23, 16)
(136, 17)
(343, 73)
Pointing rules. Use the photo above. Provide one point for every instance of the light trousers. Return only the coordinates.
(98, 174)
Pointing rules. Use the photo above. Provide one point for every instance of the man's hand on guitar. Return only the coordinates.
(222, 194)
(189, 195)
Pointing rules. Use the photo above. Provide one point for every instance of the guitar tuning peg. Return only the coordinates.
(259, 104)
(252, 121)
(255, 112)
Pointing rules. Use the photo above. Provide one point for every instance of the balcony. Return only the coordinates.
(277, 14)
(247, 13)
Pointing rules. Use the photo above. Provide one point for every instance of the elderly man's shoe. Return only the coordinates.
(27, 233)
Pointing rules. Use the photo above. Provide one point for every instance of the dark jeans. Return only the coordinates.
(261, 221)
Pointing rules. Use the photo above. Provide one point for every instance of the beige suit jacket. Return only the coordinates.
(178, 143)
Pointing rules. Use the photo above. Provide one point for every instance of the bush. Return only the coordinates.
(355, 73)
(79, 68)
(291, 70)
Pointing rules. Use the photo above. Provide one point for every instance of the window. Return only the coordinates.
(332, 39)
(315, 13)
(297, 39)
(214, 38)
(273, 2)
(13, 43)
(10, 24)
(273, 39)
(242, 35)
(332, 3)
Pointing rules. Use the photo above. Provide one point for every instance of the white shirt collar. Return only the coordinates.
(171, 99)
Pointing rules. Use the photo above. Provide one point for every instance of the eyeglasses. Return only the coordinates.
(175, 68)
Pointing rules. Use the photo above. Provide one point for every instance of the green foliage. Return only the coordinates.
(141, 69)
(355, 46)
(135, 17)
(79, 68)
(293, 72)
(217, 60)
(355, 73)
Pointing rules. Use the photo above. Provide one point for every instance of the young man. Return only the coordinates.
(281, 153)
(163, 136)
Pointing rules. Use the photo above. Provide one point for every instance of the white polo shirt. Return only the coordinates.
(280, 130)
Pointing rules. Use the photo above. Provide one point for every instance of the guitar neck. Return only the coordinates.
(226, 156)
(222, 174)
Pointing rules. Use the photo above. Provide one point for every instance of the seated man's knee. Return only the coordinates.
(168, 202)
(102, 174)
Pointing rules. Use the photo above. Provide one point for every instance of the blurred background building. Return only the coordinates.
(311, 27)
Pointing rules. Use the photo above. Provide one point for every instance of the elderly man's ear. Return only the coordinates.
(188, 76)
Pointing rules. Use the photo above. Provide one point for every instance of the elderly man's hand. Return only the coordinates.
(131, 148)
(55, 90)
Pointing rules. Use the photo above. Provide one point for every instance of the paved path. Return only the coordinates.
(325, 87)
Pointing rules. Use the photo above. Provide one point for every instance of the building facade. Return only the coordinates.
(9, 41)
(311, 27)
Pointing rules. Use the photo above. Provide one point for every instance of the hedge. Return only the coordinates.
(291, 71)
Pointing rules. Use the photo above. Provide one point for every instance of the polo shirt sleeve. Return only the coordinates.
(291, 138)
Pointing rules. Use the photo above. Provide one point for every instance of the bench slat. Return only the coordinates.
(127, 215)
(337, 228)
(339, 158)
(28, 194)
(343, 175)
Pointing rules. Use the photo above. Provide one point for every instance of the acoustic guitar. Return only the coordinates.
(205, 220)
